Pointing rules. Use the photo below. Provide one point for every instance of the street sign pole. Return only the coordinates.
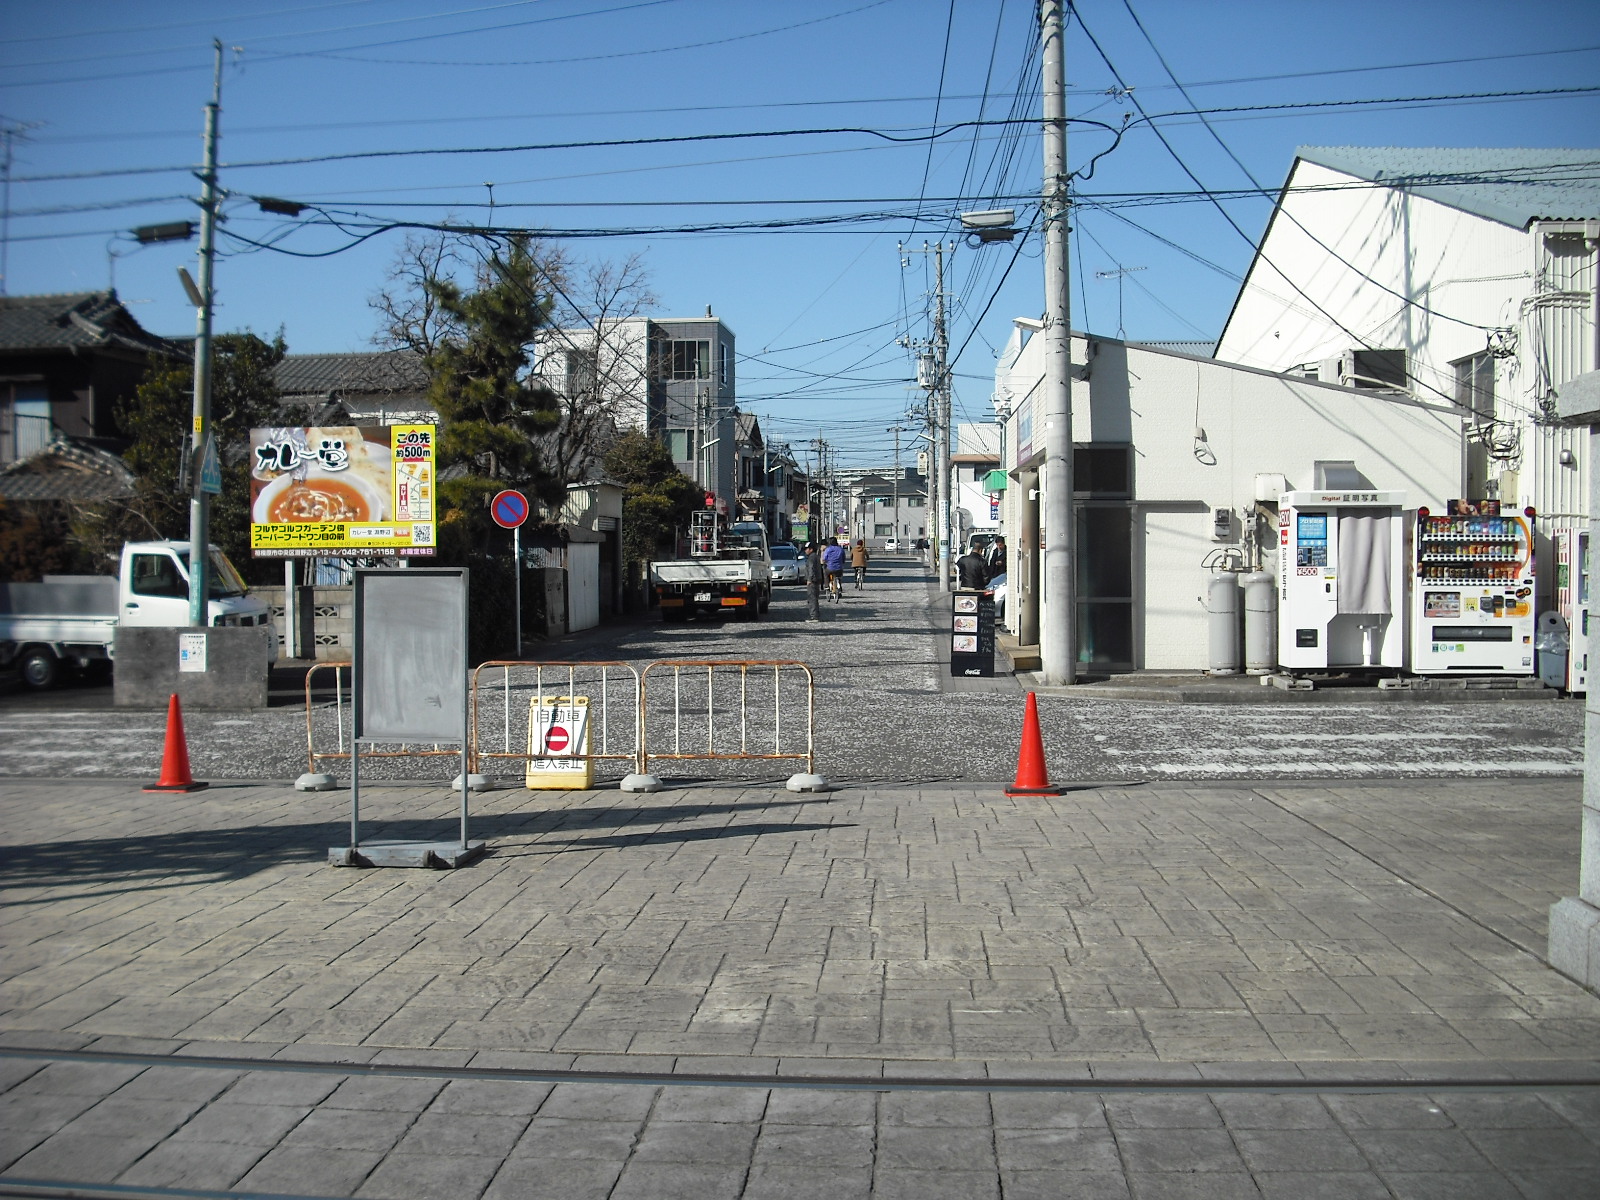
(509, 509)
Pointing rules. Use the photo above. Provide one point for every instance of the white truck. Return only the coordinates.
(728, 570)
(71, 621)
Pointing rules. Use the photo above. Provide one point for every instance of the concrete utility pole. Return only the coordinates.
(941, 395)
(200, 498)
(897, 430)
(1058, 651)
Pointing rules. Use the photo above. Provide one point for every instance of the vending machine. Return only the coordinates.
(1474, 592)
(1341, 580)
(1572, 601)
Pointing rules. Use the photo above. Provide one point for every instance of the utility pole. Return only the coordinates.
(933, 375)
(1058, 651)
(941, 353)
(200, 498)
(897, 430)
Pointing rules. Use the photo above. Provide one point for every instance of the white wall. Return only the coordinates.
(1469, 273)
(1255, 423)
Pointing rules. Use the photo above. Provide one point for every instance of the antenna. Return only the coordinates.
(1119, 275)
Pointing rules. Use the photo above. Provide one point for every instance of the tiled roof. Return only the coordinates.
(73, 320)
(67, 470)
(1511, 186)
(381, 372)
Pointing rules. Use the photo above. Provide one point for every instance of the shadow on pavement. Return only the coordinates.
(155, 862)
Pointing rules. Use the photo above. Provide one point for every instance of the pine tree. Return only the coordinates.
(492, 415)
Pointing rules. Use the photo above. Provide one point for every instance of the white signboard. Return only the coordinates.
(192, 652)
(558, 731)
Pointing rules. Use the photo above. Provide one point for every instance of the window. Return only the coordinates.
(883, 531)
(1102, 470)
(27, 426)
(688, 360)
(885, 501)
(725, 363)
(157, 575)
(681, 443)
(912, 501)
(583, 369)
(1475, 384)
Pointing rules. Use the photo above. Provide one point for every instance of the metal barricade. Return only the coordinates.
(611, 688)
(343, 738)
(752, 708)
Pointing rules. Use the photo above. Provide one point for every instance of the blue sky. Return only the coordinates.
(113, 93)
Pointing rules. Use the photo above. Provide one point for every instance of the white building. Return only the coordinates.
(1163, 441)
(1463, 277)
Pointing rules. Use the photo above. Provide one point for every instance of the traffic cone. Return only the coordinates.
(175, 776)
(1032, 778)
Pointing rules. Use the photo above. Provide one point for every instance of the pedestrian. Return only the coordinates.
(995, 557)
(833, 561)
(971, 570)
(858, 560)
(811, 572)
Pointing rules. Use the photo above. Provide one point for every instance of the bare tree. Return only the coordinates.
(590, 349)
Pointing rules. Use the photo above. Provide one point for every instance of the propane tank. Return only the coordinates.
(1260, 623)
(1222, 621)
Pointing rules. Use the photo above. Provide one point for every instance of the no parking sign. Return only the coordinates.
(558, 734)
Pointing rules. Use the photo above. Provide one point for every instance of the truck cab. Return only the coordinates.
(71, 621)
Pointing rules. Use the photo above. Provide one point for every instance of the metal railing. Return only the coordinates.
(672, 710)
(611, 688)
(735, 721)
(344, 740)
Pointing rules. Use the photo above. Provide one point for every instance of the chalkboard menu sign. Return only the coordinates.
(972, 633)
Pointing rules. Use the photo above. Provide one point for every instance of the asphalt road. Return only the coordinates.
(886, 710)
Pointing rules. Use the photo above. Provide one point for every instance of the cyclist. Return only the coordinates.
(833, 562)
(858, 560)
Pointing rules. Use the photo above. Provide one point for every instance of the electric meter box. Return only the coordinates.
(1341, 580)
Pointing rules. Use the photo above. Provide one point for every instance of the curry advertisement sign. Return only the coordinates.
(340, 490)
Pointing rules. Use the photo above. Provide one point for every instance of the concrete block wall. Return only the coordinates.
(235, 677)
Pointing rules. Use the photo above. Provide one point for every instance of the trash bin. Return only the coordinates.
(1551, 641)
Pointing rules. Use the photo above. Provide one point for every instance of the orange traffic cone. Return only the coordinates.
(1032, 778)
(175, 776)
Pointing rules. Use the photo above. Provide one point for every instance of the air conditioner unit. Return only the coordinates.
(1380, 369)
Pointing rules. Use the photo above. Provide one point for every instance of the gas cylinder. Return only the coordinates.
(1260, 623)
(1222, 622)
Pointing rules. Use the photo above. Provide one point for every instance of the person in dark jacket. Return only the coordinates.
(812, 571)
(971, 570)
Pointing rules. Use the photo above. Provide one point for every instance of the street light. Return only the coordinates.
(989, 225)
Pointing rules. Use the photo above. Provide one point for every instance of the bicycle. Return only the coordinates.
(836, 585)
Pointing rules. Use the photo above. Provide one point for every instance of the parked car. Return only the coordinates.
(785, 564)
(997, 585)
(891, 545)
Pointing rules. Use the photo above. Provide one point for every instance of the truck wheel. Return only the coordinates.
(40, 668)
(766, 599)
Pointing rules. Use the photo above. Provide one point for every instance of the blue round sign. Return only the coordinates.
(509, 509)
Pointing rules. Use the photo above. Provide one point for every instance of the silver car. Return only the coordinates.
(785, 564)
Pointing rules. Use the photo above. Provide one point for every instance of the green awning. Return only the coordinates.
(995, 481)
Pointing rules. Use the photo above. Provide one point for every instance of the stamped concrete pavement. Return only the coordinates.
(1135, 990)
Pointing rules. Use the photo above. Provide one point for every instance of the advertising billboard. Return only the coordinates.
(342, 491)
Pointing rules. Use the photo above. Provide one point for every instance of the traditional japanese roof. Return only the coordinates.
(373, 373)
(74, 321)
(67, 470)
(1512, 186)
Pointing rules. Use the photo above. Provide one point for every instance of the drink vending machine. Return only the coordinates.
(1341, 580)
(1474, 592)
(1572, 601)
